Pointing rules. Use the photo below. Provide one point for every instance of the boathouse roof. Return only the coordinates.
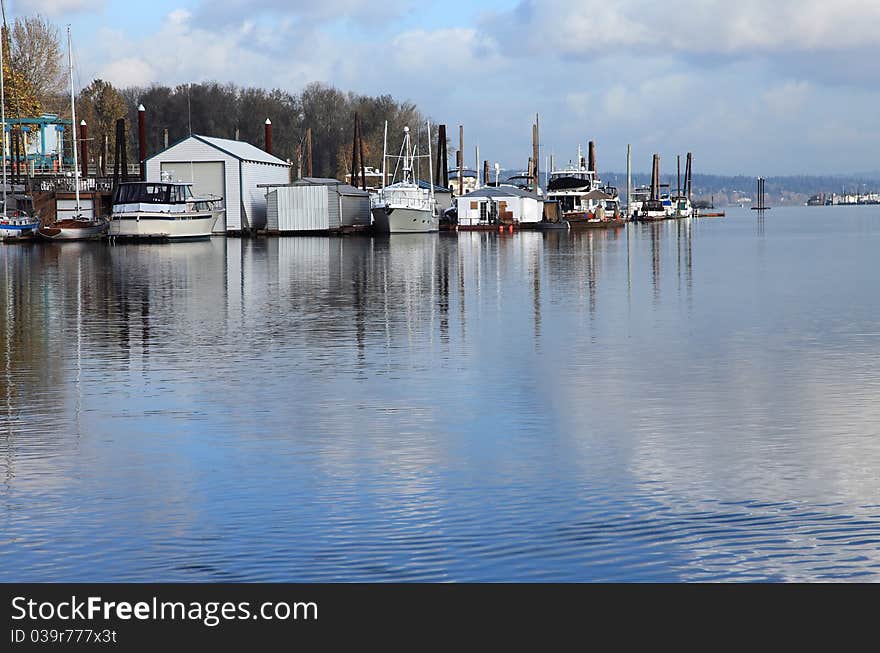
(238, 149)
(502, 191)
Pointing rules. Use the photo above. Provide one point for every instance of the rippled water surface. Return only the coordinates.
(693, 400)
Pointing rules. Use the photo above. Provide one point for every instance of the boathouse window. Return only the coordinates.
(483, 212)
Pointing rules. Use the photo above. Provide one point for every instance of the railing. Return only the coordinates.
(67, 184)
(403, 200)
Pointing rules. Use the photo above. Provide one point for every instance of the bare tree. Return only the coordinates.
(100, 105)
(35, 53)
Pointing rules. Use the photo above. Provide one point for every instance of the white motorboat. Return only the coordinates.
(162, 210)
(580, 193)
(405, 206)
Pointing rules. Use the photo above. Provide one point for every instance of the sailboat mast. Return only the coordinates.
(3, 110)
(407, 165)
(385, 157)
(73, 125)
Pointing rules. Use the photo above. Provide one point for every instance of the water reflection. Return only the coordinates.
(683, 400)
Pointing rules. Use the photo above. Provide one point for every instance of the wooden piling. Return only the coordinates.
(267, 138)
(84, 147)
(142, 141)
(460, 160)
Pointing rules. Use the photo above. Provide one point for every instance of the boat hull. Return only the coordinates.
(162, 226)
(73, 230)
(575, 223)
(404, 220)
(553, 226)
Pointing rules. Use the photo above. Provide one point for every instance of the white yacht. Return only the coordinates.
(405, 206)
(640, 195)
(162, 210)
(581, 196)
(681, 207)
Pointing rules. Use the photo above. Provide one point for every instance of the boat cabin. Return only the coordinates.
(159, 197)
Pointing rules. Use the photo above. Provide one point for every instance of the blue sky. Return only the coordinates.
(750, 87)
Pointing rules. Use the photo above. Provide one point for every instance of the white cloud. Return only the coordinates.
(787, 99)
(715, 81)
(746, 27)
(128, 72)
(56, 8)
(226, 11)
(183, 51)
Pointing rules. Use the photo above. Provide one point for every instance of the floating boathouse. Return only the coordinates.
(234, 170)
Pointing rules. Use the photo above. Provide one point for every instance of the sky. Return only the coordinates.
(755, 88)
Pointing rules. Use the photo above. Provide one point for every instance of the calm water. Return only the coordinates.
(685, 401)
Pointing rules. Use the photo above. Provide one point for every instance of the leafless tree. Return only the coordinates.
(36, 54)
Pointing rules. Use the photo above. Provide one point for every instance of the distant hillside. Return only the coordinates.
(727, 190)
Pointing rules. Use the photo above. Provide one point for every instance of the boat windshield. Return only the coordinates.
(147, 193)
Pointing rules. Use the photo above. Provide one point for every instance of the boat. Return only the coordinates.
(405, 206)
(651, 210)
(639, 196)
(162, 211)
(681, 207)
(584, 202)
(546, 225)
(78, 227)
(15, 224)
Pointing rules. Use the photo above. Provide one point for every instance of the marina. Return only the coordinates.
(528, 293)
(448, 407)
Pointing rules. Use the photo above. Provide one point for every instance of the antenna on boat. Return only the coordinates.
(189, 107)
(78, 209)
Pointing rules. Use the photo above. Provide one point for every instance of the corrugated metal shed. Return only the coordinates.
(243, 168)
(316, 204)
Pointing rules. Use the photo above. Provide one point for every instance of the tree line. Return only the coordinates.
(236, 112)
(36, 82)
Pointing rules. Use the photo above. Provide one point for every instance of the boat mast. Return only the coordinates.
(385, 157)
(73, 126)
(407, 165)
(3, 111)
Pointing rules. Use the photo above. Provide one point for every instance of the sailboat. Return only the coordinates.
(15, 224)
(406, 206)
(78, 227)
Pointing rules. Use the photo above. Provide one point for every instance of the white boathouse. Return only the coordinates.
(234, 170)
(492, 204)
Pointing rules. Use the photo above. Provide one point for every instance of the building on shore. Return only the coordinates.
(234, 170)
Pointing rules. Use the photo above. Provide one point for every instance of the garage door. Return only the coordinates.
(207, 178)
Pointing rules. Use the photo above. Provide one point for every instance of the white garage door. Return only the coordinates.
(207, 178)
